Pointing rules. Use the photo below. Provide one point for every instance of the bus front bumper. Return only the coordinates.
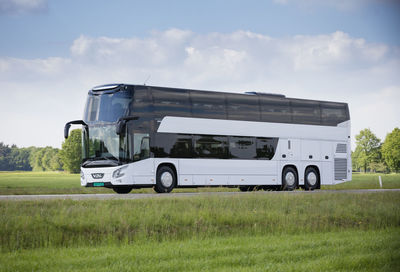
(105, 177)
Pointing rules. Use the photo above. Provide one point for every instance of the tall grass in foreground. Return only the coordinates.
(331, 251)
(66, 223)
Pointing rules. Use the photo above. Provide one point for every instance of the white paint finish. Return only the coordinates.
(141, 180)
(291, 148)
(185, 180)
(226, 167)
(253, 180)
(142, 168)
(310, 148)
(170, 124)
(227, 172)
(327, 173)
(327, 150)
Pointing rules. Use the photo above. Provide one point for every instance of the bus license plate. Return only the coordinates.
(98, 184)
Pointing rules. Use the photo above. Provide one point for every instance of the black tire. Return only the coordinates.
(311, 179)
(289, 179)
(246, 188)
(122, 189)
(166, 180)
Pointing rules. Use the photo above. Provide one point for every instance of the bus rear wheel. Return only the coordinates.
(311, 179)
(122, 189)
(166, 180)
(289, 179)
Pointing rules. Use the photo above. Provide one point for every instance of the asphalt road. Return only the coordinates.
(140, 196)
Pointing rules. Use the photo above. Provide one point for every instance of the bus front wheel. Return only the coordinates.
(122, 189)
(166, 180)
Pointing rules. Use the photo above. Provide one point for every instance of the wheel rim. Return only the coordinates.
(290, 178)
(166, 179)
(312, 178)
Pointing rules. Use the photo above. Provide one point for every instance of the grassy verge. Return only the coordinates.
(368, 181)
(333, 251)
(28, 183)
(65, 223)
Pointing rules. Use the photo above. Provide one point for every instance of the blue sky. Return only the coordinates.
(50, 30)
(52, 52)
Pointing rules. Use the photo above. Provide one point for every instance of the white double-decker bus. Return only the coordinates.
(136, 136)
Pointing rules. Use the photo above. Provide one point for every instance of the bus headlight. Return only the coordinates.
(82, 176)
(119, 172)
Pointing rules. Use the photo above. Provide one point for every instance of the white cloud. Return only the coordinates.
(22, 6)
(45, 93)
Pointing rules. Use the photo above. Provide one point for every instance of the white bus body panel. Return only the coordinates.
(298, 145)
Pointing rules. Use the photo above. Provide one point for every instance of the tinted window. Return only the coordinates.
(306, 112)
(173, 145)
(141, 101)
(107, 107)
(275, 110)
(242, 147)
(333, 114)
(208, 146)
(171, 102)
(208, 105)
(243, 107)
(266, 148)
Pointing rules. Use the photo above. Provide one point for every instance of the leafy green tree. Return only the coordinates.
(367, 148)
(56, 163)
(49, 154)
(19, 159)
(35, 159)
(5, 151)
(71, 152)
(391, 150)
(354, 159)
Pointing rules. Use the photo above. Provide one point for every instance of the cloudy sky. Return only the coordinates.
(52, 52)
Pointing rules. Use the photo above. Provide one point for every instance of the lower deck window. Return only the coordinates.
(208, 146)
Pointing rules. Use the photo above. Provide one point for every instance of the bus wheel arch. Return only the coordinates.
(166, 178)
(290, 178)
(312, 178)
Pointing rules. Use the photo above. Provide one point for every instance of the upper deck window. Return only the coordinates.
(306, 112)
(333, 113)
(107, 107)
(243, 107)
(208, 105)
(171, 102)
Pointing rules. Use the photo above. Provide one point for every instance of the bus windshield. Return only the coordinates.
(107, 107)
(101, 142)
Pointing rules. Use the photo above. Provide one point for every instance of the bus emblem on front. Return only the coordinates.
(98, 175)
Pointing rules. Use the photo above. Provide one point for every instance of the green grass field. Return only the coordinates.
(27, 183)
(332, 251)
(246, 232)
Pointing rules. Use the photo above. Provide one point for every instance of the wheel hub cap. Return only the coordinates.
(290, 178)
(166, 179)
(311, 178)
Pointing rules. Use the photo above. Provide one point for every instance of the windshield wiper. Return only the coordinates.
(112, 161)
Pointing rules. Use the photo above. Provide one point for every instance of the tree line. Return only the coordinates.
(372, 155)
(13, 158)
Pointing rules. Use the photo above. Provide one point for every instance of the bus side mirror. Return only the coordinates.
(68, 125)
(120, 128)
(66, 130)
